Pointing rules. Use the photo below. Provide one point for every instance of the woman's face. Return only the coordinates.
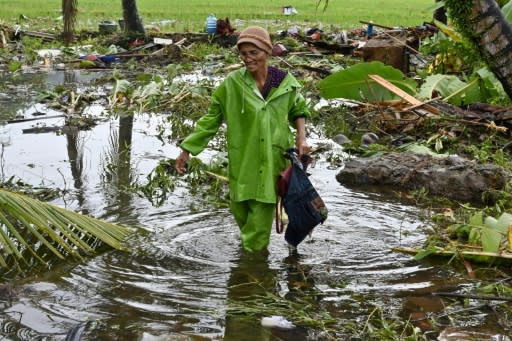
(254, 58)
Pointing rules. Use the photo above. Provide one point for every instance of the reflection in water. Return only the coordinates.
(18, 91)
(76, 162)
(252, 282)
(118, 171)
(250, 279)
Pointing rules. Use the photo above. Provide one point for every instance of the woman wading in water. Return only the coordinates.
(259, 104)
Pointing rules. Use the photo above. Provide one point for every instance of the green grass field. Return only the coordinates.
(190, 15)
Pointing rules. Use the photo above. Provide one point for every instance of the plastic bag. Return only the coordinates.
(302, 203)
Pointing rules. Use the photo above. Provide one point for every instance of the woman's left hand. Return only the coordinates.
(302, 146)
(300, 140)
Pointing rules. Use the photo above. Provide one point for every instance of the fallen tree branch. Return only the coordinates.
(20, 120)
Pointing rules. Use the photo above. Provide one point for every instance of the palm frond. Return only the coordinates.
(32, 227)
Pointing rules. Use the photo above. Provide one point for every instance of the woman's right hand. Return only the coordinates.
(181, 162)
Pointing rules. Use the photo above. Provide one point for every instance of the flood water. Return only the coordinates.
(185, 277)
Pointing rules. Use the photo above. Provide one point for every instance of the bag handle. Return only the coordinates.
(305, 159)
(279, 214)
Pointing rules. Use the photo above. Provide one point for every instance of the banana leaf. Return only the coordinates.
(507, 11)
(451, 88)
(354, 83)
(33, 230)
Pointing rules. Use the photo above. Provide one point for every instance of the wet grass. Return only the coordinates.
(190, 15)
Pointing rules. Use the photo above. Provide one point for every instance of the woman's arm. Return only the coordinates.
(300, 140)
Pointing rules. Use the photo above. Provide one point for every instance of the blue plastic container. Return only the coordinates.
(211, 24)
(369, 31)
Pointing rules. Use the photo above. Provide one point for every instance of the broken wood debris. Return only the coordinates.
(17, 31)
(404, 95)
(3, 40)
(20, 120)
(376, 25)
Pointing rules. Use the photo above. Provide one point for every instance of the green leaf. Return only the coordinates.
(122, 87)
(144, 77)
(491, 222)
(87, 64)
(452, 88)
(475, 236)
(501, 225)
(425, 253)
(150, 90)
(449, 31)
(354, 83)
(507, 11)
(15, 66)
(491, 240)
(490, 86)
(477, 219)
(419, 149)
(439, 145)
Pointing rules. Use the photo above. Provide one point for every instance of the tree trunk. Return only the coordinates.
(132, 22)
(488, 29)
(69, 9)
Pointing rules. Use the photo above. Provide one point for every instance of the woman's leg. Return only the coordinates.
(255, 221)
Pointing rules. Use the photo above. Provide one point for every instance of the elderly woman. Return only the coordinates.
(258, 103)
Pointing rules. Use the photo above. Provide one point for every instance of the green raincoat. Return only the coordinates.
(258, 132)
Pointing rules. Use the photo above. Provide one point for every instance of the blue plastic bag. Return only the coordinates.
(302, 203)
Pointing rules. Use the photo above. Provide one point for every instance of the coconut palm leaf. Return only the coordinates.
(30, 228)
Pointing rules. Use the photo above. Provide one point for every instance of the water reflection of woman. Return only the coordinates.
(251, 279)
(258, 104)
(253, 287)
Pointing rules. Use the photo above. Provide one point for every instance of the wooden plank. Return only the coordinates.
(404, 95)
(396, 90)
(42, 35)
(376, 25)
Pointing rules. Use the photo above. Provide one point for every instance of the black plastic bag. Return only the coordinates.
(302, 203)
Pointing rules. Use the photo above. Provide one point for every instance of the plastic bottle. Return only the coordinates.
(211, 24)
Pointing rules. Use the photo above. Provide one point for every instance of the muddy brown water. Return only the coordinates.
(181, 278)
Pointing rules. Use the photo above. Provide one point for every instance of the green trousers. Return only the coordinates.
(255, 221)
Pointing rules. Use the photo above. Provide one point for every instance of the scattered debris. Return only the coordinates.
(276, 322)
(289, 10)
(224, 27)
(107, 27)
